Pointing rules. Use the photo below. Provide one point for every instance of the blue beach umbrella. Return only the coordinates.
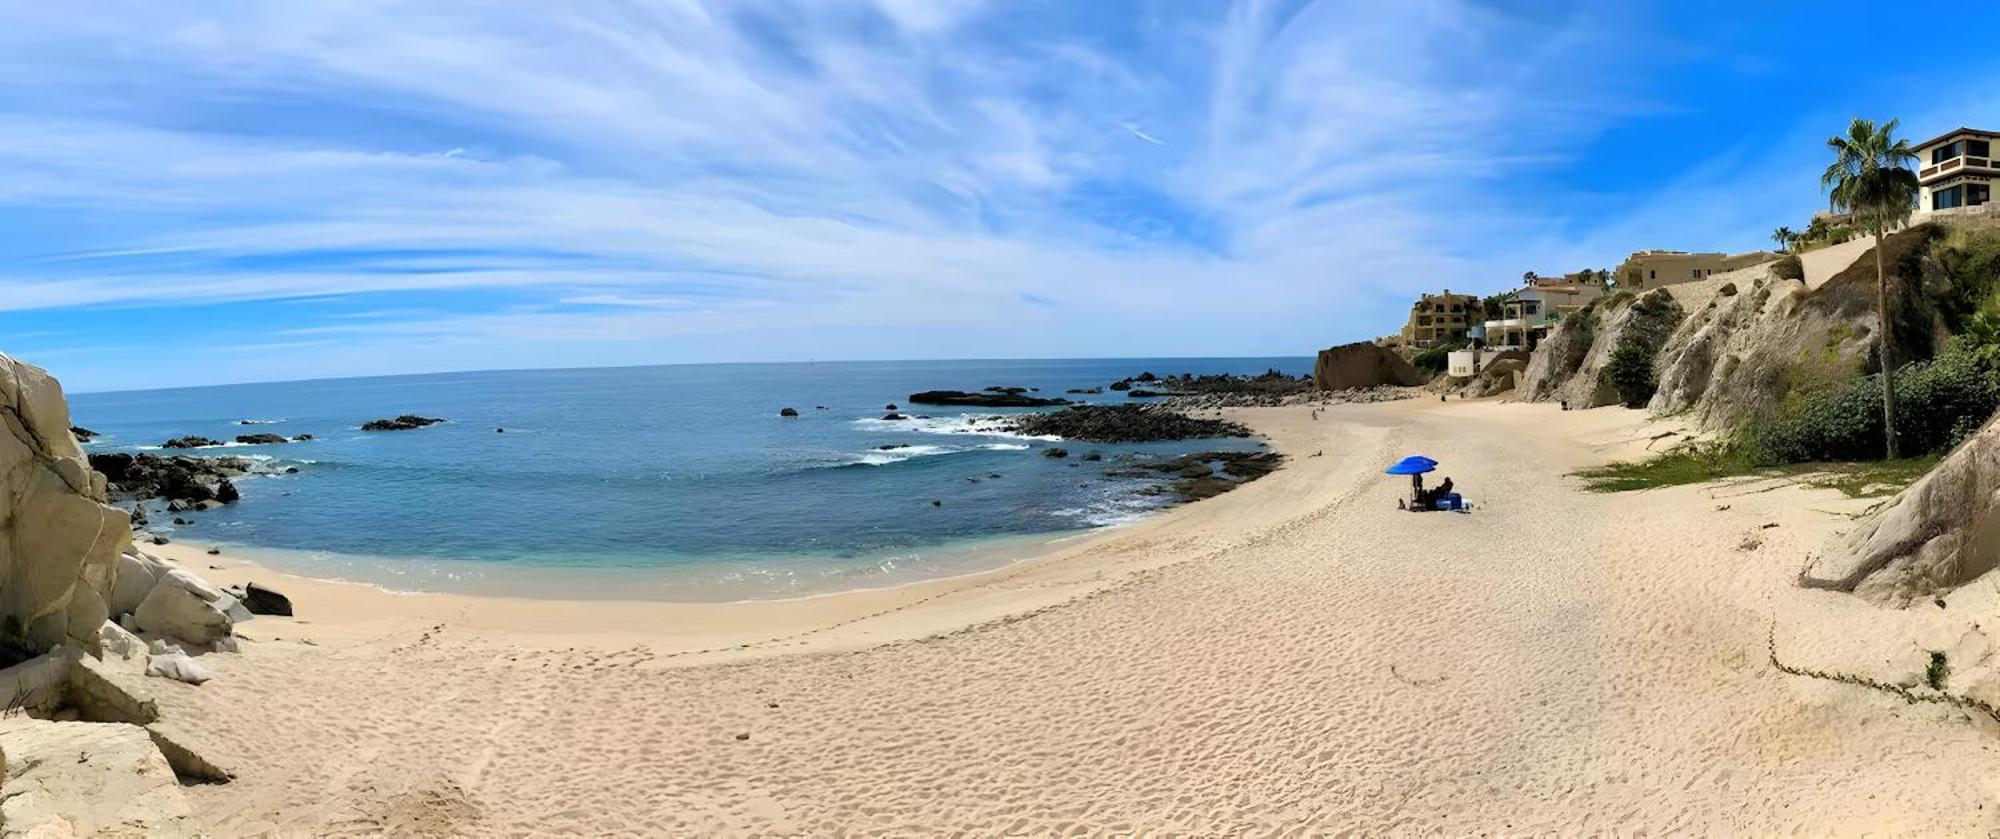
(1415, 464)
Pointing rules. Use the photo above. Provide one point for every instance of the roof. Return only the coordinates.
(1955, 132)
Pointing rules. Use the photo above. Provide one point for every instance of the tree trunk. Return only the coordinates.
(1883, 338)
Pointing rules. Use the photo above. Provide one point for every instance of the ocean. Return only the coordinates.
(662, 482)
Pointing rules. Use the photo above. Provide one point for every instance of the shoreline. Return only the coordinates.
(340, 611)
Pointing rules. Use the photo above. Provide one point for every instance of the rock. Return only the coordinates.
(226, 493)
(894, 416)
(291, 470)
(261, 439)
(1122, 384)
(1055, 453)
(87, 779)
(192, 441)
(59, 541)
(890, 407)
(178, 666)
(263, 601)
(134, 578)
(113, 641)
(404, 422)
(1093, 456)
(788, 412)
(1941, 533)
(214, 551)
(183, 478)
(499, 430)
(302, 438)
(1362, 364)
(1121, 424)
(186, 607)
(1147, 377)
(83, 435)
(1004, 398)
(1086, 390)
(205, 506)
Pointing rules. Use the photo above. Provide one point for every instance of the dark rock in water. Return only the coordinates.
(401, 423)
(179, 479)
(205, 506)
(995, 399)
(181, 522)
(890, 407)
(1122, 384)
(936, 503)
(1122, 424)
(1055, 452)
(302, 438)
(1094, 456)
(1148, 377)
(788, 412)
(1195, 479)
(192, 441)
(261, 439)
(1010, 391)
(214, 551)
(1141, 394)
(499, 430)
(263, 601)
(892, 447)
(894, 416)
(1086, 390)
(291, 470)
(226, 493)
(82, 434)
(138, 515)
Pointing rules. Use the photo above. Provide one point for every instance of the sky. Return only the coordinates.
(199, 193)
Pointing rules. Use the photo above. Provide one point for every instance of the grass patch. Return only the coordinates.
(1705, 462)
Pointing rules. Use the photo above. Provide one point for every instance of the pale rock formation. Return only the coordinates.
(59, 543)
(86, 779)
(137, 573)
(115, 643)
(1569, 365)
(186, 607)
(1362, 364)
(1940, 533)
(178, 666)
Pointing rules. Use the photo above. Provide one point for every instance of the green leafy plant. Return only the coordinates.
(1870, 176)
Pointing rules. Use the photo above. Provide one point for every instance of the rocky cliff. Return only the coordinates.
(1570, 365)
(1363, 364)
(59, 542)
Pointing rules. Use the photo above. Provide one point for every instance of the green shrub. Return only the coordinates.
(1437, 358)
(1937, 402)
(1630, 371)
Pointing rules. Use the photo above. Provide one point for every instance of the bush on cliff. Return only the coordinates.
(1943, 398)
(1630, 371)
(1436, 359)
(1789, 268)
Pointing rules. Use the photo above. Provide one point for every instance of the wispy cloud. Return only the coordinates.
(688, 179)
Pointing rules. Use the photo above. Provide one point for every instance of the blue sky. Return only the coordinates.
(199, 193)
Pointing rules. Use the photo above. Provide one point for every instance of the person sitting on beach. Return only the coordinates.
(1443, 490)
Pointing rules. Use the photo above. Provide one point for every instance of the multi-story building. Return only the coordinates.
(1440, 318)
(1653, 269)
(1534, 310)
(1956, 172)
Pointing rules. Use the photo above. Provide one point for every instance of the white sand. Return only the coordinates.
(1296, 654)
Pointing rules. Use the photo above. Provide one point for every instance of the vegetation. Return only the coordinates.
(1870, 177)
(1437, 358)
(1784, 237)
(1707, 461)
(1630, 370)
(1789, 268)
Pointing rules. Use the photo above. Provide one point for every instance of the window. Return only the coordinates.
(1978, 148)
(1977, 194)
(1945, 199)
(1652, 274)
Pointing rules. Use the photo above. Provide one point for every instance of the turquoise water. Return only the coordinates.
(661, 482)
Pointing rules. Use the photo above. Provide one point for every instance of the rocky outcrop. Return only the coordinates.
(59, 542)
(191, 479)
(1940, 533)
(184, 606)
(1121, 424)
(1363, 364)
(401, 423)
(1570, 365)
(262, 439)
(1004, 398)
(192, 441)
(86, 779)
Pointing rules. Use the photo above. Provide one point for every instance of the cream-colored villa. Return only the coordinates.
(1653, 269)
(1956, 172)
(1527, 317)
(1438, 318)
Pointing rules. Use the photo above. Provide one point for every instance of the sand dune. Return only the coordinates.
(1294, 656)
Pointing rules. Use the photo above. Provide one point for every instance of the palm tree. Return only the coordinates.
(1528, 277)
(1870, 177)
(1783, 236)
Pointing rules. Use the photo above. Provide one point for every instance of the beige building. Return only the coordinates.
(1439, 318)
(1653, 269)
(1956, 172)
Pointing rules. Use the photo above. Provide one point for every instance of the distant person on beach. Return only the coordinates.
(1443, 490)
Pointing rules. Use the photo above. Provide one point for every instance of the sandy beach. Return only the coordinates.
(1294, 657)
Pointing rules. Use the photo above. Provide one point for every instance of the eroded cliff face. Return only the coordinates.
(1940, 533)
(1761, 339)
(1362, 364)
(59, 542)
(1570, 365)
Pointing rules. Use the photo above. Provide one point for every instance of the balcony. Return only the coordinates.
(1953, 166)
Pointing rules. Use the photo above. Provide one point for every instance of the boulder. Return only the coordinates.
(87, 779)
(136, 575)
(304, 437)
(1940, 533)
(192, 441)
(1001, 398)
(263, 601)
(83, 435)
(225, 492)
(59, 541)
(114, 642)
(178, 666)
(1121, 424)
(1363, 364)
(186, 607)
(788, 412)
(261, 439)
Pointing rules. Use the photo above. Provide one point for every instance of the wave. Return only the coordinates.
(978, 425)
(884, 457)
(230, 444)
